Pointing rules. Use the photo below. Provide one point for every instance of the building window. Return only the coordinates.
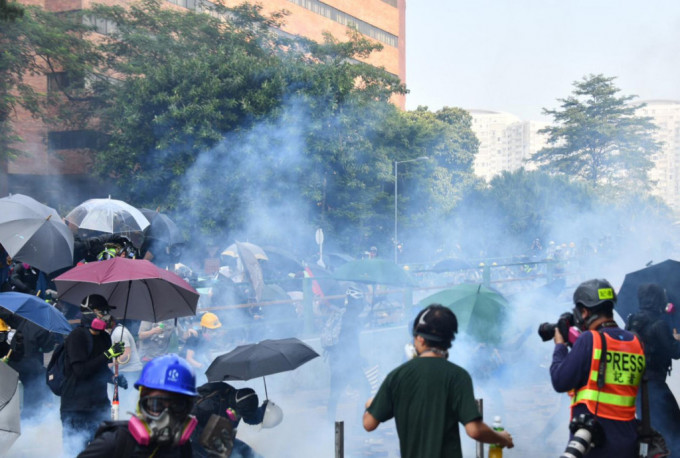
(391, 2)
(59, 81)
(343, 18)
(74, 139)
(103, 26)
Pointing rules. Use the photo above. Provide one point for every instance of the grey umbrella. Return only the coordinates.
(257, 360)
(34, 233)
(10, 426)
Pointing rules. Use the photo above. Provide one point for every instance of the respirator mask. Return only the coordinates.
(101, 319)
(163, 420)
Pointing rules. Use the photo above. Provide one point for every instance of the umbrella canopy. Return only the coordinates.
(10, 426)
(257, 360)
(665, 274)
(256, 250)
(108, 215)
(479, 309)
(379, 271)
(34, 233)
(252, 268)
(136, 288)
(451, 264)
(36, 311)
(162, 228)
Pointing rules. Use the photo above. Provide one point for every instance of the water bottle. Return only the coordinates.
(495, 450)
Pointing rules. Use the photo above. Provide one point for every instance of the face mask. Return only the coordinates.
(670, 308)
(163, 429)
(410, 351)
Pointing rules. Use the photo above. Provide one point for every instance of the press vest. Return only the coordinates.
(625, 365)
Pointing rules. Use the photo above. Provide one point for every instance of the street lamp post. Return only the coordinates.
(396, 201)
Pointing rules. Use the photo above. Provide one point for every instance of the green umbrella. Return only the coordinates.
(479, 309)
(374, 271)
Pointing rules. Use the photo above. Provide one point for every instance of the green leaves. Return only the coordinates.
(598, 138)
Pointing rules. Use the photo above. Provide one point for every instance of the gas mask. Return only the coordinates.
(172, 426)
(101, 319)
(410, 351)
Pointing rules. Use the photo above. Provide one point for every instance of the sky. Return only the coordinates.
(520, 56)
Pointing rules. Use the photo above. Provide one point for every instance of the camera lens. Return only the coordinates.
(546, 331)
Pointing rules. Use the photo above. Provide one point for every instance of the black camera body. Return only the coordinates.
(547, 330)
(587, 433)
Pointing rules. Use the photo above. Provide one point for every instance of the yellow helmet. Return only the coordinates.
(3, 326)
(210, 321)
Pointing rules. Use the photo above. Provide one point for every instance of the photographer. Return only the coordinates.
(610, 404)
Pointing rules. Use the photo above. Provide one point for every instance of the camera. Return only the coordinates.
(565, 325)
(587, 433)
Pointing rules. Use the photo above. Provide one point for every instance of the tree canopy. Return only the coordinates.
(597, 137)
(40, 43)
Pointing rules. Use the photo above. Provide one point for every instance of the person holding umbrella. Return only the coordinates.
(661, 347)
(163, 424)
(84, 400)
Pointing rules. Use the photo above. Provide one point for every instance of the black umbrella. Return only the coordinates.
(665, 274)
(257, 360)
(162, 228)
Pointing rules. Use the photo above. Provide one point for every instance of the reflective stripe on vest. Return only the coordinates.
(625, 365)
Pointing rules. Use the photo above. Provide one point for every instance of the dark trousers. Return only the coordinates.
(664, 413)
(78, 428)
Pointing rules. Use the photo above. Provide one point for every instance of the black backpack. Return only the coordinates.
(55, 374)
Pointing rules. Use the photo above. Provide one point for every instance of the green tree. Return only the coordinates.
(183, 80)
(40, 43)
(598, 138)
(9, 11)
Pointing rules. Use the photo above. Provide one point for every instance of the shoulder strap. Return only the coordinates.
(602, 368)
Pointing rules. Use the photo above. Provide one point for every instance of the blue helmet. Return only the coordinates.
(169, 373)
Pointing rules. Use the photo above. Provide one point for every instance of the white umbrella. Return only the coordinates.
(108, 215)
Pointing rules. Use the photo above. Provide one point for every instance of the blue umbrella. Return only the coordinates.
(36, 311)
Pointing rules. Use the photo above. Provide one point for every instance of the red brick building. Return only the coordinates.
(54, 163)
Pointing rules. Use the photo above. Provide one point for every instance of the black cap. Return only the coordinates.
(97, 302)
(436, 323)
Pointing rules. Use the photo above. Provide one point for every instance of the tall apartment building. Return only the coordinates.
(54, 161)
(505, 142)
(666, 115)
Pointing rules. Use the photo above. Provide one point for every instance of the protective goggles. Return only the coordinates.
(155, 405)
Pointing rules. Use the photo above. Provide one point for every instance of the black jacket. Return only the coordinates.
(113, 440)
(86, 371)
(659, 343)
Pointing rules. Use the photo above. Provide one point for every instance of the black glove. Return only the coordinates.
(115, 351)
(122, 381)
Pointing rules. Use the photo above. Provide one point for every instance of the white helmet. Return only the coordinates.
(273, 415)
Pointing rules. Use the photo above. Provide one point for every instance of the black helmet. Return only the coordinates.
(593, 293)
(436, 323)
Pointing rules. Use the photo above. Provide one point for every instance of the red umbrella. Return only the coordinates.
(136, 288)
